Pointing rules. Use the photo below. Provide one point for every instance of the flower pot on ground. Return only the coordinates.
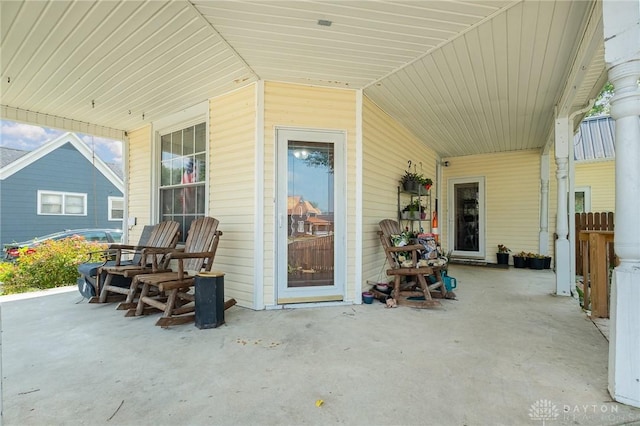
(519, 261)
(503, 254)
(547, 262)
(536, 262)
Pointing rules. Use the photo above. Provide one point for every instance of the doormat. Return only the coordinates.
(472, 262)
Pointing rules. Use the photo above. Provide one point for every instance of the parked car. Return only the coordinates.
(11, 251)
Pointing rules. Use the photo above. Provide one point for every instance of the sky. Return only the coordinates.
(28, 137)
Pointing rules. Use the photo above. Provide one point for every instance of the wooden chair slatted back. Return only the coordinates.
(388, 228)
(144, 239)
(164, 235)
(202, 237)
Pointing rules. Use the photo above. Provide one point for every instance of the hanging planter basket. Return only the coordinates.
(410, 186)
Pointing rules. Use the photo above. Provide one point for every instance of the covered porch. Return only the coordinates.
(507, 352)
(482, 90)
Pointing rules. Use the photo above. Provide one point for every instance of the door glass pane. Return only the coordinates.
(466, 204)
(580, 202)
(310, 214)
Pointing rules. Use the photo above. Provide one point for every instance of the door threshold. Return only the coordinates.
(314, 304)
(311, 299)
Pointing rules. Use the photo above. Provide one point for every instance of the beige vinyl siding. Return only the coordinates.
(232, 189)
(601, 177)
(512, 198)
(387, 146)
(139, 180)
(291, 105)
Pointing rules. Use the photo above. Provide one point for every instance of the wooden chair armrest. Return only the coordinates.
(410, 247)
(123, 247)
(182, 255)
(160, 250)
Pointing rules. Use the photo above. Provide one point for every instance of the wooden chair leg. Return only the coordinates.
(129, 303)
(143, 293)
(424, 287)
(170, 304)
(133, 288)
(396, 286)
(103, 292)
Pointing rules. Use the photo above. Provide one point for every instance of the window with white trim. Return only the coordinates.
(62, 203)
(183, 168)
(116, 208)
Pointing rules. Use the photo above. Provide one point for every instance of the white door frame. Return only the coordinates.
(451, 216)
(335, 292)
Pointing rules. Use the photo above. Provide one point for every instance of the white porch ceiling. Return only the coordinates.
(464, 77)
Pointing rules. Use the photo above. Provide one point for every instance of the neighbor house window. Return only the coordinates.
(582, 199)
(62, 203)
(116, 208)
(182, 177)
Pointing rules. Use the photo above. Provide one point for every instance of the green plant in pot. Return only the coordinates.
(425, 182)
(410, 181)
(413, 210)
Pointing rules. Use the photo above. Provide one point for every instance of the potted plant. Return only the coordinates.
(412, 210)
(503, 254)
(536, 261)
(426, 182)
(410, 181)
(520, 260)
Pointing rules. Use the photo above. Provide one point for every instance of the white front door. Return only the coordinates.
(466, 217)
(310, 225)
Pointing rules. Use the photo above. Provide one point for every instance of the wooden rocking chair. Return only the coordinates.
(164, 237)
(410, 294)
(173, 287)
(88, 281)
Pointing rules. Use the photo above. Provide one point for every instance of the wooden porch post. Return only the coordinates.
(563, 247)
(622, 57)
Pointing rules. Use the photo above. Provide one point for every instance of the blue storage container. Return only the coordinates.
(449, 282)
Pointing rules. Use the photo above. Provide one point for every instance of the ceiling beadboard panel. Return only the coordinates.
(366, 40)
(464, 77)
(492, 89)
(118, 64)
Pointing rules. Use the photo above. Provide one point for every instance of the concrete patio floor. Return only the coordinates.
(506, 352)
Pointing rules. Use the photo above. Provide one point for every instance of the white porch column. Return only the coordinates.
(563, 248)
(622, 56)
(544, 204)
